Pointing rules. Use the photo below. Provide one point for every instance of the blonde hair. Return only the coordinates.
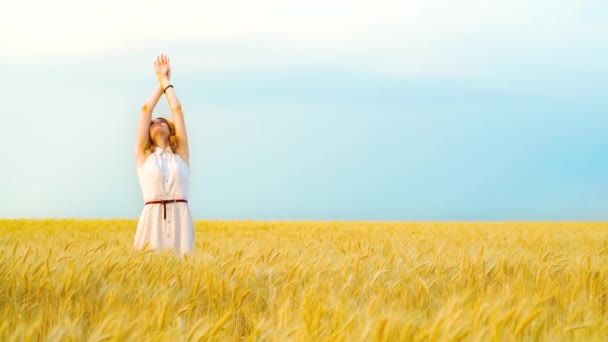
(172, 138)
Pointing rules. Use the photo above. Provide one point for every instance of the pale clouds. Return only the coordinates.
(437, 38)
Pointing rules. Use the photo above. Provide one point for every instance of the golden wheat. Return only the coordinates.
(279, 281)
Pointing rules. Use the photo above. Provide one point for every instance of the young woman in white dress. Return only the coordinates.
(161, 152)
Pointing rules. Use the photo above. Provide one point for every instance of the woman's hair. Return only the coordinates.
(172, 138)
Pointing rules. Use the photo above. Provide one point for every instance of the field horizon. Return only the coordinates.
(328, 280)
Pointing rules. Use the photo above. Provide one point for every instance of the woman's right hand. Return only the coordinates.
(162, 68)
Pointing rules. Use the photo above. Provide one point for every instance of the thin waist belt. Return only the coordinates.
(164, 203)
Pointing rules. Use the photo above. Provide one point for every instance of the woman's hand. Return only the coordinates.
(162, 69)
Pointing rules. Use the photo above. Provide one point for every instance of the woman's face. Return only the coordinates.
(159, 126)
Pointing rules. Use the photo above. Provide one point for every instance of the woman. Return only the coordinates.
(161, 152)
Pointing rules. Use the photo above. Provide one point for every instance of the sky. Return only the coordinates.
(343, 110)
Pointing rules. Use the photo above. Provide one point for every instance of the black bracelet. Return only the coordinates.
(169, 86)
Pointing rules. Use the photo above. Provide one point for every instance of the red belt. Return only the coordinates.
(164, 203)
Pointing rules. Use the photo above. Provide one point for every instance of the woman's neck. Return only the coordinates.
(162, 144)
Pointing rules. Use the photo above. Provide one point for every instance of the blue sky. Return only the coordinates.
(387, 110)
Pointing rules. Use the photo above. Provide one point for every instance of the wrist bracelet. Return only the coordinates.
(167, 87)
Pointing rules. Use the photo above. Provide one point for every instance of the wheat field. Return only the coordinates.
(306, 281)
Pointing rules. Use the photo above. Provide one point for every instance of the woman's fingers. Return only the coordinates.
(161, 62)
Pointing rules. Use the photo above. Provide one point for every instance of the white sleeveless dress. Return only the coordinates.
(165, 176)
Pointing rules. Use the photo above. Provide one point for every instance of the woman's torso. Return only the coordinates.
(164, 176)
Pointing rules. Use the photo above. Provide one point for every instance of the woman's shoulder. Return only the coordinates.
(181, 161)
(141, 160)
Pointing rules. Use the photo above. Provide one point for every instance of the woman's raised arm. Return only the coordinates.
(143, 130)
(177, 115)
